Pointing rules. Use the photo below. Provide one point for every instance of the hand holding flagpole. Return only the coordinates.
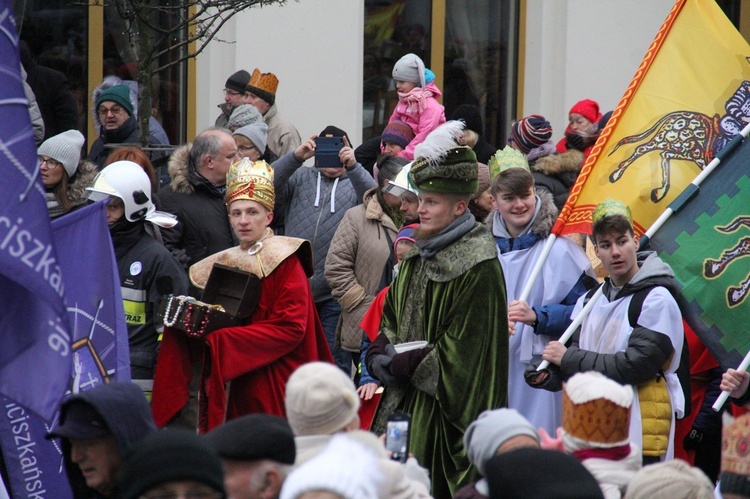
(725, 395)
(575, 324)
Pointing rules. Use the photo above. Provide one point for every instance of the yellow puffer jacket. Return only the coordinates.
(656, 414)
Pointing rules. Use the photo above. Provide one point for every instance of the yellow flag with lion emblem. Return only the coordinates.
(689, 97)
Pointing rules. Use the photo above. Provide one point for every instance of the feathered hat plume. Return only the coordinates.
(441, 140)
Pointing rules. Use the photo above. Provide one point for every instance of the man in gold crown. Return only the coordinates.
(283, 137)
(449, 294)
(633, 334)
(284, 331)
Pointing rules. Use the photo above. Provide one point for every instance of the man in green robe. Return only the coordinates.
(450, 293)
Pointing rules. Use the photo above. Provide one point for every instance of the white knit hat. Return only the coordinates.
(668, 480)
(345, 467)
(320, 399)
(65, 148)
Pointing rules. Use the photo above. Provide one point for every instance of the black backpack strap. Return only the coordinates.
(589, 294)
(636, 305)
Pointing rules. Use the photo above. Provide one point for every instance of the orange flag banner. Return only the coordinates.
(689, 97)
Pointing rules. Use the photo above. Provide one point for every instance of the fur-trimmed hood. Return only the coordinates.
(541, 224)
(569, 161)
(109, 82)
(84, 177)
(177, 166)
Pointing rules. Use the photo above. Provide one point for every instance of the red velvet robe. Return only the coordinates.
(284, 333)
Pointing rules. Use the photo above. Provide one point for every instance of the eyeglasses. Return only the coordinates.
(233, 93)
(115, 110)
(246, 148)
(51, 163)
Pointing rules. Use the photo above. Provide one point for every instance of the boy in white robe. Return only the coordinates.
(521, 223)
(634, 345)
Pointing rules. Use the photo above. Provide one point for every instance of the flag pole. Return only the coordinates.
(693, 188)
(576, 322)
(686, 195)
(537, 269)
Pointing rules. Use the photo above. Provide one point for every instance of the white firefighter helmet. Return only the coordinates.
(127, 181)
(402, 183)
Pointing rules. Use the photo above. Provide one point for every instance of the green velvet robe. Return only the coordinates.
(455, 301)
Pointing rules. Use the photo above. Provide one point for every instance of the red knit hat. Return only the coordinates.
(587, 108)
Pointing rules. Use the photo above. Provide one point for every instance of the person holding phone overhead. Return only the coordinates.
(311, 202)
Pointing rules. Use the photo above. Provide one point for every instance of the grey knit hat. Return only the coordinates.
(257, 133)
(65, 148)
(320, 399)
(242, 115)
(409, 68)
(490, 430)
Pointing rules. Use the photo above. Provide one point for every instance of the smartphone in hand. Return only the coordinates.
(397, 433)
(327, 152)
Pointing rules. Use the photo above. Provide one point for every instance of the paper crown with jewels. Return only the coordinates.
(507, 158)
(611, 207)
(597, 409)
(252, 180)
(263, 85)
(441, 165)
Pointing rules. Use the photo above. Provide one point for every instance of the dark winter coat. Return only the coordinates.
(54, 98)
(203, 227)
(148, 271)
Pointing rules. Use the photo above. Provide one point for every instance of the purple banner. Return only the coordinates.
(33, 327)
(99, 346)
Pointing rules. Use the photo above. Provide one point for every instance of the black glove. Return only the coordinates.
(181, 256)
(575, 141)
(379, 366)
(553, 381)
(404, 364)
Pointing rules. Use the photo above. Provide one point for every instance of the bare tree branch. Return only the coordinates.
(160, 46)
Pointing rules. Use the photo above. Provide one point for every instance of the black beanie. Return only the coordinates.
(238, 81)
(332, 131)
(253, 437)
(531, 472)
(169, 456)
(470, 115)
